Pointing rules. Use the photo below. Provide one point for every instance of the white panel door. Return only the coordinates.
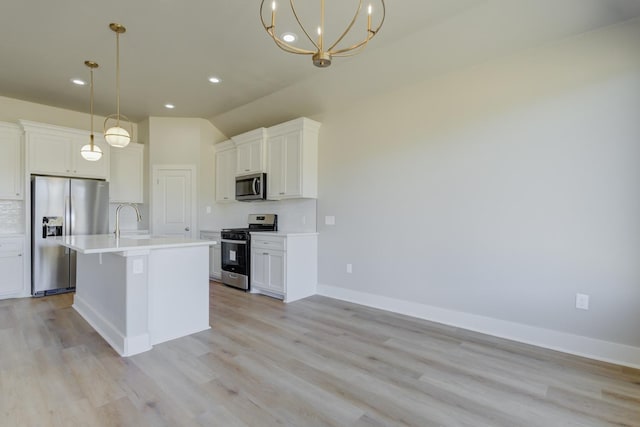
(173, 202)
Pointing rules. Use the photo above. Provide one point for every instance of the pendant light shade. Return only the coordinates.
(91, 152)
(117, 136)
(115, 132)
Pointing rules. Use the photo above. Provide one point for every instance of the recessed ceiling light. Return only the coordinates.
(289, 37)
(214, 79)
(78, 82)
(169, 106)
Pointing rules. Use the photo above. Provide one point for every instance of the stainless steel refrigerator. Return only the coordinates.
(61, 207)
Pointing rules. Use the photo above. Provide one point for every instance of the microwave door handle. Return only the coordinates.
(256, 189)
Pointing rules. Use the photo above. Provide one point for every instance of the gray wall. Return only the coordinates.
(499, 191)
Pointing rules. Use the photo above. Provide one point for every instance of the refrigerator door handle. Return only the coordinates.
(66, 225)
(66, 220)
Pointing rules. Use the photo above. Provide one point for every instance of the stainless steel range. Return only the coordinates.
(236, 249)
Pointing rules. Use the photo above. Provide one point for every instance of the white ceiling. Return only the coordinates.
(171, 47)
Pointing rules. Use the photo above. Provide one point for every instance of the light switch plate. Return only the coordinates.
(582, 301)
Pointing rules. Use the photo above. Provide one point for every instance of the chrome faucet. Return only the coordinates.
(138, 216)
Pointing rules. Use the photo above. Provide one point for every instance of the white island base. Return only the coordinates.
(140, 297)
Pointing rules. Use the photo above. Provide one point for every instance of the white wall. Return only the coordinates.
(12, 110)
(186, 141)
(499, 191)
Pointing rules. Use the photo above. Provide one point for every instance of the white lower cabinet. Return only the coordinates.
(215, 254)
(11, 267)
(284, 266)
(268, 267)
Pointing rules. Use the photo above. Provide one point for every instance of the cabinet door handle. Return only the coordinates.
(265, 253)
(282, 194)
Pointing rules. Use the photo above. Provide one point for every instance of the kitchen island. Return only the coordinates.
(138, 291)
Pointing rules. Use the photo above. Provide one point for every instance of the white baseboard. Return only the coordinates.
(591, 348)
(124, 346)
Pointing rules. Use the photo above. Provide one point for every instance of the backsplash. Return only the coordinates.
(293, 215)
(12, 217)
(128, 220)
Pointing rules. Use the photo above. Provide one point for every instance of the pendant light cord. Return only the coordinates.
(91, 106)
(117, 79)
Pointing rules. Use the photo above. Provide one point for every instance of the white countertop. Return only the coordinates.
(103, 243)
(284, 233)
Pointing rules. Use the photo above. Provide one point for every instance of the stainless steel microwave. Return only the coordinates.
(251, 187)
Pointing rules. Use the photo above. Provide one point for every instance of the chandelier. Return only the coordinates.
(91, 151)
(114, 134)
(322, 52)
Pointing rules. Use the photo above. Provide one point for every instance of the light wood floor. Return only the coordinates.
(316, 362)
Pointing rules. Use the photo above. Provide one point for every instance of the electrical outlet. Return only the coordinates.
(208, 209)
(304, 219)
(330, 220)
(138, 266)
(349, 268)
(582, 301)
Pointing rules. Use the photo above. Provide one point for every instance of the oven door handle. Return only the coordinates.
(239, 242)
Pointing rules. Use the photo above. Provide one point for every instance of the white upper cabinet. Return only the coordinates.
(54, 150)
(250, 156)
(292, 160)
(11, 171)
(127, 174)
(225, 172)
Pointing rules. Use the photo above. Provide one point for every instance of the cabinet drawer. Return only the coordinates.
(266, 242)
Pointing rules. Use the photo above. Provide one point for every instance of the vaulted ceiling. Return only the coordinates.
(171, 47)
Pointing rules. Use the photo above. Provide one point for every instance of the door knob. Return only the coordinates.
(186, 229)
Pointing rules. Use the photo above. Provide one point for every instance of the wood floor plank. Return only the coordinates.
(315, 362)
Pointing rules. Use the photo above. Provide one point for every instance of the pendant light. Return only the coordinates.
(114, 134)
(91, 151)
